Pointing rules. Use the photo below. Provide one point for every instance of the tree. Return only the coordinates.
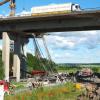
(39, 64)
(1, 67)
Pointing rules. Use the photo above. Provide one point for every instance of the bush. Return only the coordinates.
(1, 70)
(95, 69)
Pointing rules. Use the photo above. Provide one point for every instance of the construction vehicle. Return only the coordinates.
(84, 73)
(12, 6)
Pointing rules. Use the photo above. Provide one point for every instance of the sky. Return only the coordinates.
(64, 47)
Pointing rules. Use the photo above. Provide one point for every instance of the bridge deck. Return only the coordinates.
(75, 21)
(79, 14)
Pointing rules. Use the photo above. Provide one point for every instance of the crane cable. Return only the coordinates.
(37, 51)
(48, 63)
(48, 54)
(43, 57)
(38, 54)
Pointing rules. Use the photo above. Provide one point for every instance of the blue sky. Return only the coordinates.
(65, 47)
(27, 4)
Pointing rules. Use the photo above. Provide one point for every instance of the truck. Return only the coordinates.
(55, 9)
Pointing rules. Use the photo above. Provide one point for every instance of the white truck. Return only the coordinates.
(55, 8)
(51, 9)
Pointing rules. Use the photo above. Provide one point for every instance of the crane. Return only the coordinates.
(12, 6)
(48, 54)
(3, 2)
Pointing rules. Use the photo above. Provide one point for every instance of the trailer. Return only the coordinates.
(55, 9)
(50, 9)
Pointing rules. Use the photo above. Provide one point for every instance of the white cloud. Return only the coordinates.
(70, 40)
(63, 55)
(23, 13)
(78, 45)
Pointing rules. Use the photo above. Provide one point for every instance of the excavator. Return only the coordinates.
(12, 6)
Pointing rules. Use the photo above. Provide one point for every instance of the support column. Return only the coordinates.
(24, 41)
(6, 54)
(23, 61)
(16, 66)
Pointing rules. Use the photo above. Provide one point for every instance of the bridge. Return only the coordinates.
(17, 28)
(75, 21)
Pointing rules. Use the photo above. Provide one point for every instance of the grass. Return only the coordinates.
(61, 92)
(75, 69)
(18, 85)
(68, 71)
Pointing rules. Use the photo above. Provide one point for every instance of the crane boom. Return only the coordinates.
(48, 54)
(3, 2)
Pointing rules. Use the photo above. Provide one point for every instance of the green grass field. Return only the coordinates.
(61, 92)
(74, 69)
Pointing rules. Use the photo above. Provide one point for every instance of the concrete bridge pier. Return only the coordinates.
(16, 60)
(6, 54)
(23, 57)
